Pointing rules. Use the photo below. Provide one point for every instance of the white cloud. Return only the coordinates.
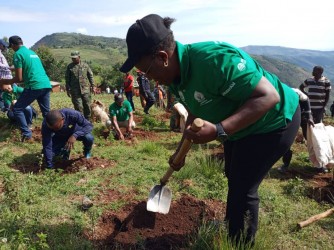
(82, 31)
(306, 24)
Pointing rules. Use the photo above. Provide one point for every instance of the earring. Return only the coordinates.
(166, 64)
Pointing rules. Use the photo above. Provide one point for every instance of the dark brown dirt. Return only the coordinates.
(320, 185)
(135, 228)
(139, 134)
(68, 166)
(218, 152)
(36, 135)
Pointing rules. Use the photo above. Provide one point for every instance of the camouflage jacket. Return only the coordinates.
(79, 78)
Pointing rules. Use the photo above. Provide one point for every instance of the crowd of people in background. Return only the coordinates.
(61, 128)
(258, 107)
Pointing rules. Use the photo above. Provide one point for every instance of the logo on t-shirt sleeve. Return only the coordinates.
(242, 65)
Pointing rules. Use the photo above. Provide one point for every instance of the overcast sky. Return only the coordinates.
(306, 24)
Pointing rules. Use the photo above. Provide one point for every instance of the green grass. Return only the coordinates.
(42, 211)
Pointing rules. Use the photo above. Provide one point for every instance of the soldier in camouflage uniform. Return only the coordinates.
(80, 84)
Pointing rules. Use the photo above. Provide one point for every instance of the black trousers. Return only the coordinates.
(150, 100)
(247, 162)
(318, 115)
(129, 97)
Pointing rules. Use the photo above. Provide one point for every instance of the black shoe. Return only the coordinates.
(323, 170)
(25, 138)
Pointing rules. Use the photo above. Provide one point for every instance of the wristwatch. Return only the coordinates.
(221, 134)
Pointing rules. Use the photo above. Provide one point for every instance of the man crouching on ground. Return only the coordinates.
(60, 129)
(121, 117)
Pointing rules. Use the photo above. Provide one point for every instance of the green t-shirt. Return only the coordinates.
(9, 97)
(121, 112)
(217, 78)
(34, 75)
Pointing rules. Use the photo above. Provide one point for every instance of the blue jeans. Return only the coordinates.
(129, 96)
(26, 98)
(150, 100)
(58, 144)
(27, 114)
(2, 105)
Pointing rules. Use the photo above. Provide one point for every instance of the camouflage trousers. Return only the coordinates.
(82, 103)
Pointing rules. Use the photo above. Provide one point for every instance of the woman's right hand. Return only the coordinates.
(207, 133)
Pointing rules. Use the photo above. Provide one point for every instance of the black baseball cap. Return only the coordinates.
(142, 36)
(16, 40)
(118, 98)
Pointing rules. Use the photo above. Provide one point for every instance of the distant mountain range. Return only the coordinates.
(291, 65)
(305, 59)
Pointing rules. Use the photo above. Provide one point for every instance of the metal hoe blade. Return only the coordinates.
(159, 199)
(160, 196)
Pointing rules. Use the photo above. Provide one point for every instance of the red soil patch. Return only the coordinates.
(146, 135)
(36, 135)
(137, 133)
(68, 166)
(134, 227)
(218, 152)
(320, 185)
(165, 116)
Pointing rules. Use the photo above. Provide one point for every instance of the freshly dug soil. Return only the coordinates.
(134, 227)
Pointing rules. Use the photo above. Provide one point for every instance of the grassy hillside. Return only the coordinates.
(289, 73)
(95, 49)
(67, 40)
(91, 54)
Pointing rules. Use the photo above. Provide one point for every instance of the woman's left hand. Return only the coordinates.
(206, 134)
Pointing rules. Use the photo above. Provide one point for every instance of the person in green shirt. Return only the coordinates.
(121, 114)
(29, 70)
(10, 95)
(245, 107)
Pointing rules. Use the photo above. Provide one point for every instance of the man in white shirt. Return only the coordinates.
(5, 72)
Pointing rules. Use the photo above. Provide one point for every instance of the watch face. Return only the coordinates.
(222, 138)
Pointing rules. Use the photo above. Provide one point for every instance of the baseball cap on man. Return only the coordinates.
(2, 42)
(75, 54)
(118, 98)
(142, 36)
(14, 40)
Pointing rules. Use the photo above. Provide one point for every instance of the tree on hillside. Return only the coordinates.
(9, 52)
(55, 69)
(111, 76)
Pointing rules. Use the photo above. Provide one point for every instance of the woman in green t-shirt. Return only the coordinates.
(245, 107)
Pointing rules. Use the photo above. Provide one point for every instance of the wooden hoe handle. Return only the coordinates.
(186, 145)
